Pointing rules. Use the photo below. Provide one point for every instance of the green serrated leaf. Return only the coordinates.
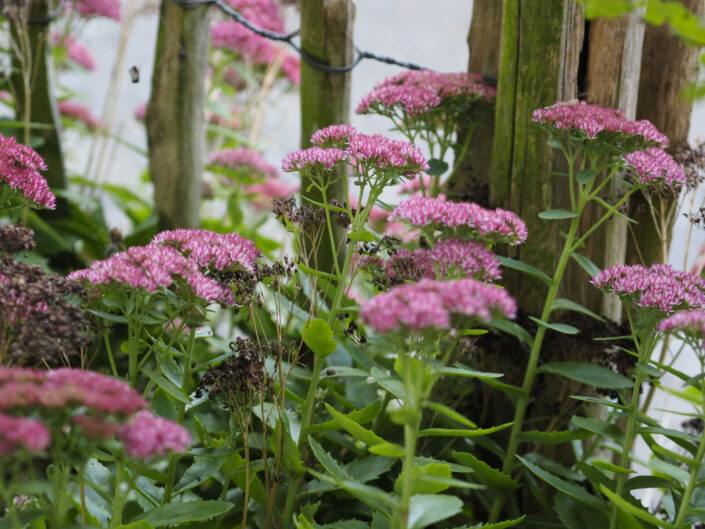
(488, 475)
(642, 514)
(557, 214)
(549, 438)
(600, 427)
(586, 264)
(590, 374)
(318, 336)
(451, 432)
(427, 509)
(166, 385)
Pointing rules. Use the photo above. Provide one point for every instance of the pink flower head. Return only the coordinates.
(19, 170)
(234, 36)
(98, 8)
(334, 136)
(656, 166)
(262, 193)
(381, 152)
(291, 67)
(490, 226)
(431, 304)
(153, 268)
(660, 287)
(19, 433)
(146, 436)
(100, 394)
(313, 159)
(244, 160)
(418, 92)
(75, 51)
(688, 322)
(210, 250)
(593, 120)
(79, 112)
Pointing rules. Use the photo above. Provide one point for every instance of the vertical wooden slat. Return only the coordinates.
(326, 36)
(175, 114)
(668, 67)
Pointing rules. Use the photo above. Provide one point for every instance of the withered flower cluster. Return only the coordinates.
(308, 216)
(241, 379)
(40, 324)
(692, 159)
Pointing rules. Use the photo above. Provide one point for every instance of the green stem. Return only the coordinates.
(530, 373)
(694, 471)
(185, 387)
(120, 495)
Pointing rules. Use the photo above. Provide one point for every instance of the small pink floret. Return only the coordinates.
(22, 434)
(19, 169)
(656, 166)
(147, 436)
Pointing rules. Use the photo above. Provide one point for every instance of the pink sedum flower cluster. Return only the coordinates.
(98, 406)
(655, 166)
(264, 14)
(592, 120)
(21, 434)
(154, 268)
(660, 287)
(211, 250)
(691, 322)
(431, 304)
(98, 8)
(19, 170)
(79, 112)
(450, 258)
(145, 436)
(245, 160)
(75, 51)
(418, 92)
(363, 152)
(487, 225)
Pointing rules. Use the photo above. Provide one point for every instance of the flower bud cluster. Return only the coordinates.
(431, 304)
(657, 288)
(73, 401)
(482, 224)
(19, 170)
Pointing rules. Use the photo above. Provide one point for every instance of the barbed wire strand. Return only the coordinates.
(287, 38)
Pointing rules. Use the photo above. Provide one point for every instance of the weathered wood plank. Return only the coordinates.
(327, 36)
(175, 114)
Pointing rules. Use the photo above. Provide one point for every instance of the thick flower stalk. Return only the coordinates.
(427, 310)
(594, 141)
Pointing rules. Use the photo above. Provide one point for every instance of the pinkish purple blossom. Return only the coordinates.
(146, 436)
(333, 136)
(660, 287)
(79, 112)
(20, 433)
(487, 225)
(153, 268)
(210, 250)
(688, 322)
(378, 151)
(450, 258)
(19, 170)
(75, 51)
(291, 67)
(591, 120)
(656, 166)
(431, 304)
(141, 112)
(98, 8)
(313, 159)
(245, 160)
(417, 92)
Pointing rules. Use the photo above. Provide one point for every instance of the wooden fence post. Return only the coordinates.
(175, 114)
(32, 84)
(668, 67)
(327, 37)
